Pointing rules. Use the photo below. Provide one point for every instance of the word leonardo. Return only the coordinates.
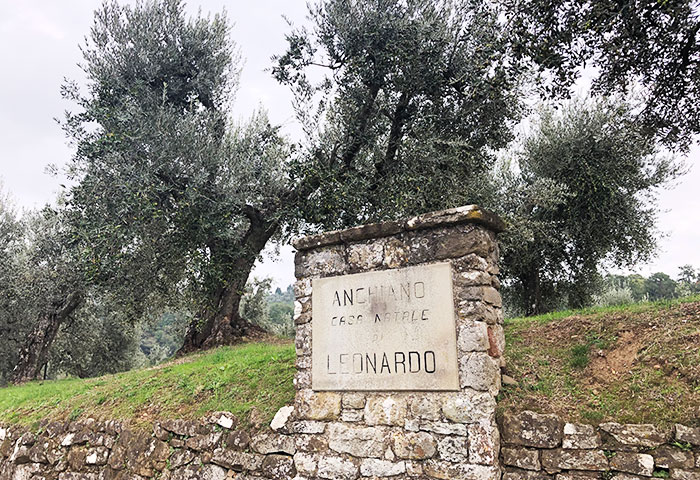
(365, 363)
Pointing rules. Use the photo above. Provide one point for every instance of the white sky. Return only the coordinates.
(39, 47)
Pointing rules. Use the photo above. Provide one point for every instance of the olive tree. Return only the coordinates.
(582, 194)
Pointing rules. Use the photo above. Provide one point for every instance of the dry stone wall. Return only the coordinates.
(543, 446)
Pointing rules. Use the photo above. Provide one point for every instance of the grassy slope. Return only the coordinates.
(638, 363)
(635, 364)
(235, 379)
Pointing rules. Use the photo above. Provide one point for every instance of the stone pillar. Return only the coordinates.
(409, 343)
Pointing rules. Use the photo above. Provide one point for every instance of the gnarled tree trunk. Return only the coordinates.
(32, 357)
(222, 324)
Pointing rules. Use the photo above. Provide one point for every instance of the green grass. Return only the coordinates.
(233, 379)
(635, 363)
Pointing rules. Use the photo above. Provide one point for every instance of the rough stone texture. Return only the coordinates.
(647, 436)
(558, 459)
(687, 434)
(371, 467)
(359, 442)
(635, 463)
(530, 429)
(414, 445)
(385, 410)
(580, 436)
(524, 458)
(670, 456)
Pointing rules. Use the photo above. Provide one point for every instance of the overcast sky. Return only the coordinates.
(39, 47)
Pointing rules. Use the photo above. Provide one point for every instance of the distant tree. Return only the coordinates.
(583, 193)
(660, 286)
(637, 285)
(689, 279)
(647, 46)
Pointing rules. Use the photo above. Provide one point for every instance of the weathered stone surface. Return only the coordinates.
(426, 407)
(680, 474)
(530, 429)
(460, 471)
(197, 472)
(479, 371)
(469, 406)
(307, 426)
(497, 340)
(339, 468)
(266, 443)
(385, 410)
(634, 435)
(352, 415)
(414, 445)
(238, 440)
(97, 456)
(235, 460)
(325, 261)
(180, 458)
(573, 475)
(278, 467)
(359, 442)
(372, 467)
(559, 459)
(524, 458)
(515, 474)
(473, 337)
(453, 449)
(365, 256)
(318, 405)
(305, 463)
(483, 443)
(668, 456)
(635, 463)
(688, 434)
(223, 419)
(281, 417)
(444, 428)
(302, 339)
(354, 400)
(580, 436)
(203, 442)
(302, 288)
(180, 427)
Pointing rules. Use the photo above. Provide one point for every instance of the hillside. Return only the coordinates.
(634, 364)
(252, 381)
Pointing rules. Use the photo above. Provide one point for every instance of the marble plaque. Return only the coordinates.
(385, 330)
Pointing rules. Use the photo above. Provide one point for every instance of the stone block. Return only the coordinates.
(278, 467)
(426, 407)
(322, 262)
(359, 442)
(688, 434)
(453, 449)
(556, 460)
(580, 436)
(473, 337)
(237, 461)
(530, 429)
(444, 428)
(385, 410)
(635, 463)
(281, 418)
(305, 463)
(365, 256)
(497, 340)
(266, 443)
(337, 468)
(354, 400)
(460, 471)
(318, 405)
(483, 443)
(371, 467)
(469, 406)
(515, 474)
(414, 445)
(633, 435)
(681, 474)
(668, 456)
(479, 371)
(520, 457)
